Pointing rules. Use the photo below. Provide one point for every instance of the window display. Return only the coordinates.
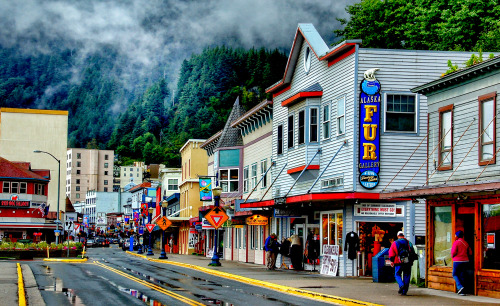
(491, 230)
(442, 236)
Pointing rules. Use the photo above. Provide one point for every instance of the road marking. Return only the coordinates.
(152, 286)
(285, 289)
(20, 284)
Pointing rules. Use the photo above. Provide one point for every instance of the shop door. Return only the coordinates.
(466, 223)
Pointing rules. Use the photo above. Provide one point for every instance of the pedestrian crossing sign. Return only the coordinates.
(216, 216)
(163, 223)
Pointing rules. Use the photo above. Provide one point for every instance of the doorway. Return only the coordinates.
(466, 223)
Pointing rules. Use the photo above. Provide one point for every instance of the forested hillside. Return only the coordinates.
(156, 125)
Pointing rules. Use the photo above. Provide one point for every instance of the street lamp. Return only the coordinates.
(58, 188)
(139, 244)
(216, 191)
(150, 249)
(163, 254)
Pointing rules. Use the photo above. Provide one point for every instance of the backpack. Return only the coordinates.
(404, 252)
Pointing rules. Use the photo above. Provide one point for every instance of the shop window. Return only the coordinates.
(253, 231)
(263, 169)
(442, 236)
(332, 229)
(446, 138)
(229, 180)
(302, 129)
(313, 125)
(291, 127)
(400, 113)
(254, 175)
(245, 179)
(341, 116)
(491, 237)
(487, 128)
(326, 121)
(279, 139)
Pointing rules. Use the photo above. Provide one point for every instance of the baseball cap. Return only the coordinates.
(400, 233)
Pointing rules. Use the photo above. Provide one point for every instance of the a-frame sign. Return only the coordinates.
(216, 216)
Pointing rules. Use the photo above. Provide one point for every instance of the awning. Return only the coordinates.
(178, 218)
(20, 225)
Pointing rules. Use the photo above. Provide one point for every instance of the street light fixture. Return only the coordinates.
(150, 249)
(216, 191)
(58, 189)
(163, 254)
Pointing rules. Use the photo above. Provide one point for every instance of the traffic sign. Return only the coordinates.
(163, 223)
(76, 226)
(141, 230)
(216, 216)
(150, 227)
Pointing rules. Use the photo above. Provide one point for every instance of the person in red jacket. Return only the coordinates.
(460, 252)
(400, 250)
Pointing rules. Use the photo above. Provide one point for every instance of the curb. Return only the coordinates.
(20, 284)
(65, 260)
(31, 287)
(269, 285)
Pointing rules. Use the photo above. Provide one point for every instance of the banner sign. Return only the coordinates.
(16, 204)
(144, 209)
(136, 215)
(369, 130)
(375, 210)
(257, 220)
(205, 189)
(330, 260)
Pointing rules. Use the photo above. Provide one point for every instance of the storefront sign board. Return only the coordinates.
(257, 220)
(375, 210)
(330, 260)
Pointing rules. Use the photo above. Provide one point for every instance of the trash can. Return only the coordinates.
(382, 272)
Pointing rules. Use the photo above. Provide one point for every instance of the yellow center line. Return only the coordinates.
(152, 286)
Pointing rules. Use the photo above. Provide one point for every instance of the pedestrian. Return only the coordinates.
(296, 252)
(275, 250)
(460, 252)
(402, 254)
(270, 255)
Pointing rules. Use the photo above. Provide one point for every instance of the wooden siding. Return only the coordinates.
(465, 115)
(488, 283)
(440, 278)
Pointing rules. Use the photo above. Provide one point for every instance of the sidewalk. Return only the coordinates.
(361, 289)
(9, 287)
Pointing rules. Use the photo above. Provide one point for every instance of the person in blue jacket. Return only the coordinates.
(270, 247)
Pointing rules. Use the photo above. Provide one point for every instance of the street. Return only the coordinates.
(113, 277)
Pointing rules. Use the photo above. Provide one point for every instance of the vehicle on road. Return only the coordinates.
(101, 242)
(90, 243)
(126, 245)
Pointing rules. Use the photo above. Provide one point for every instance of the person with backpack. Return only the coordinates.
(270, 248)
(402, 254)
(460, 252)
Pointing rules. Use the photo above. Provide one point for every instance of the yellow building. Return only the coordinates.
(194, 164)
(24, 130)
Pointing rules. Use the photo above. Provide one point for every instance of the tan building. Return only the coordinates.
(131, 174)
(24, 130)
(88, 169)
(194, 162)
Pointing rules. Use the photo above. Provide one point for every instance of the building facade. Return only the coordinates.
(88, 169)
(131, 174)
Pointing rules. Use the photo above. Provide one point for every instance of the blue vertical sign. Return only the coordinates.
(369, 130)
(205, 189)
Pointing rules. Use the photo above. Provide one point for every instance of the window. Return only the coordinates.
(39, 189)
(78, 164)
(307, 60)
(331, 231)
(279, 145)
(106, 157)
(442, 236)
(302, 131)
(78, 155)
(487, 128)
(78, 181)
(446, 137)
(173, 184)
(77, 188)
(254, 175)
(77, 195)
(333, 182)
(341, 116)
(6, 187)
(263, 169)
(131, 174)
(326, 121)
(229, 180)
(77, 171)
(245, 179)
(400, 114)
(106, 165)
(291, 127)
(23, 187)
(313, 125)
(14, 187)
(105, 189)
(105, 182)
(106, 173)
(491, 236)
(131, 169)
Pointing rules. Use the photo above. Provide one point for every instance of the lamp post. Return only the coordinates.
(216, 191)
(139, 244)
(150, 249)
(163, 254)
(58, 188)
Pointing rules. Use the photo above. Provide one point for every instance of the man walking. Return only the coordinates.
(460, 252)
(401, 256)
(270, 255)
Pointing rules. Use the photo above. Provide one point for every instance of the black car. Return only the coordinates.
(101, 242)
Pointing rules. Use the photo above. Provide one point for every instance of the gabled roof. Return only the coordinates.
(12, 170)
(231, 137)
(308, 33)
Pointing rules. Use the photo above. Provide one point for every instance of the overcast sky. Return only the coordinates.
(181, 27)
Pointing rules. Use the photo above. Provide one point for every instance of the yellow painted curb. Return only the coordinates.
(64, 260)
(290, 290)
(20, 285)
(138, 255)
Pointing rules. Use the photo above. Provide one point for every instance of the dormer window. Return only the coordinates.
(307, 60)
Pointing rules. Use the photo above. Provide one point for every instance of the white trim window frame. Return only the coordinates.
(173, 184)
(340, 116)
(313, 124)
(228, 179)
(263, 169)
(253, 175)
(290, 132)
(245, 179)
(325, 121)
(279, 140)
(301, 127)
(400, 107)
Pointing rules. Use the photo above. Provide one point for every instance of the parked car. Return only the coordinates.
(113, 240)
(90, 243)
(126, 245)
(101, 242)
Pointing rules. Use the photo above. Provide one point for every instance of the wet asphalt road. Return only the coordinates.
(112, 277)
